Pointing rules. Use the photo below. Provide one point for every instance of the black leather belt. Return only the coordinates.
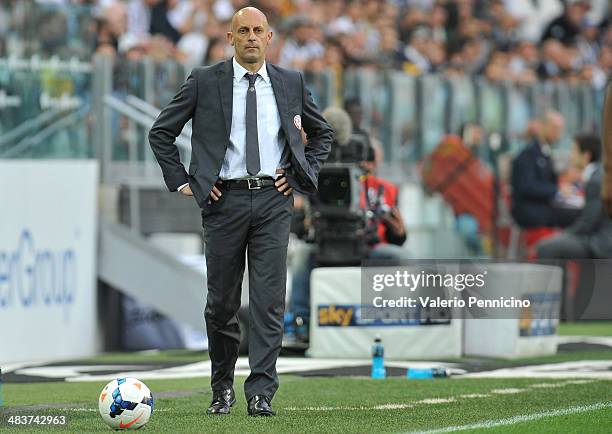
(247, 184)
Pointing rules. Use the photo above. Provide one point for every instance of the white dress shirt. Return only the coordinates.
(588, 172)
(271, 146)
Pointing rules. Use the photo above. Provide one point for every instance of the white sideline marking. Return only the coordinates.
(597, 340)
(559, 384)
(323, 408)
(435, 401)
(17, 409)
(393, 406)
(585, 369)
(285, 365)
(508, 391)
(579, 381)
(522, 418)
(474, 395)
(389, 406)
(547, 385)
(590, 369)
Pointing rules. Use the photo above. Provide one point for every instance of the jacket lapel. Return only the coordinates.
(278, 86)
(226, 90)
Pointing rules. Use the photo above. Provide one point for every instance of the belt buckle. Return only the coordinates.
(257, 185)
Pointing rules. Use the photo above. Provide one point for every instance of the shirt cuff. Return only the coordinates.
(183, 186)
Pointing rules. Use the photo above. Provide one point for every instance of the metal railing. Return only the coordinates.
(33, 146)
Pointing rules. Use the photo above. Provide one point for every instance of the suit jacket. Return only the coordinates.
(206, 97)
(534, 185)
(593, 223)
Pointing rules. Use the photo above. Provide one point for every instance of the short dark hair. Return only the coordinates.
(590, 143)
(349, 103)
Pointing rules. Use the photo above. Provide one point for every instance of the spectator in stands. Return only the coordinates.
(334, 57)
(590, 236)
(345, 22)
(524, 62)
(389, 53)
(566, 27)
(533, 16)
(198, 27)
(300, 48)
(497, 68)
(417, 53)
(588, 43)
(535, 193)
(161, 23)
(504, 26)
(139, 17)
(354, 109)
(450, 36)
(554, 60)
(438, 19)
(217, 51)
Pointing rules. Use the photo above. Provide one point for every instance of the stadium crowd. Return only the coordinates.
(517, 40)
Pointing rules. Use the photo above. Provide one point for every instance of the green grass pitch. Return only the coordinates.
(342, 404)
(355, 405)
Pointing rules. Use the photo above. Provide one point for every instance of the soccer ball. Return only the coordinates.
(126, 403)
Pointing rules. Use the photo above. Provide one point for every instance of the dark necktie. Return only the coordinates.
(252, 142)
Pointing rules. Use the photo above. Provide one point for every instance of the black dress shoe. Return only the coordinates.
(222, 400)
(259, 405)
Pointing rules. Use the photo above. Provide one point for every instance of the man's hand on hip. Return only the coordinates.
(215, 193)
(281, 183)
(186, 191)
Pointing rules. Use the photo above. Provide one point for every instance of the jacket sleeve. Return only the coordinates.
(590, 217)
(167, 127)
(319, 134)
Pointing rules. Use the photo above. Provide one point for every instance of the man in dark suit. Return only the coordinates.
(590, 236)
(247, 157)
(534, 180)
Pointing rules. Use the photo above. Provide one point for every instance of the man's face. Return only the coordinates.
(553, 129)
(355, 112)
(303, 33)
(579, 159)
(250, 36)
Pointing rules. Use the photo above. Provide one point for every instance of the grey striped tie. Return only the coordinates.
(252, 141)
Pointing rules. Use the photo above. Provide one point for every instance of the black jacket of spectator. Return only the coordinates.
(160, 24)
(534, 186)
(562, 29)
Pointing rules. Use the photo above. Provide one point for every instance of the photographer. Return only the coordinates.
(385, 223)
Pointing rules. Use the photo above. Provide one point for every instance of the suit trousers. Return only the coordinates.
(564, 246)
(256, 222)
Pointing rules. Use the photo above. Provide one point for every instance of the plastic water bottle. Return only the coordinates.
(289, 326)
(378, 359)
(427, 373)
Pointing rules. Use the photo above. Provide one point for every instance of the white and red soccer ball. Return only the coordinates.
(126, 403)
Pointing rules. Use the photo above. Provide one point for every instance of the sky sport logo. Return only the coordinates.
(345, 315)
